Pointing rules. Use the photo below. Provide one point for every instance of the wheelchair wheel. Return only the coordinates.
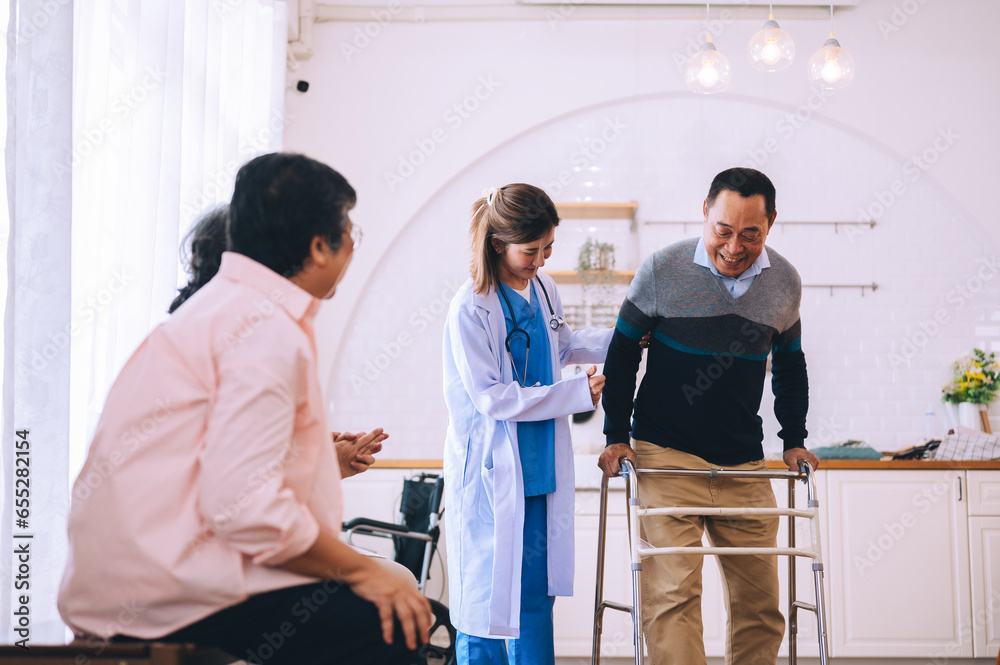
(441, 649)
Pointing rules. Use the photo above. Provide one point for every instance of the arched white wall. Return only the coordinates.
(876, 360)
(915, 92)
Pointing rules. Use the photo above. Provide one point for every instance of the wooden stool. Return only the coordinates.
(136, 653)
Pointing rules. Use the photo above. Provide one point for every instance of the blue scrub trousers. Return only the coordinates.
(535, 646)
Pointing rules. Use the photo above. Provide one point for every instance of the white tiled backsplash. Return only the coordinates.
(876, 360)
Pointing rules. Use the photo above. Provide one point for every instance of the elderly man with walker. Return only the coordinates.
(717, 307)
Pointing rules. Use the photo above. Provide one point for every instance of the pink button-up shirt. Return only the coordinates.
(211, 465)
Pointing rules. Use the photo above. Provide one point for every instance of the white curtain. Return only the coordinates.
(36, 316)
(168, 100)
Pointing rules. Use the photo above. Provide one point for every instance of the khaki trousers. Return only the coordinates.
(671, 584)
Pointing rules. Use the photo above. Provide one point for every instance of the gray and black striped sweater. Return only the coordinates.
(707, 359)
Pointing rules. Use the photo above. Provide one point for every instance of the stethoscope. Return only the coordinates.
(556, 322)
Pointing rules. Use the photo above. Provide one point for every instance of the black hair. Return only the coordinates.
(205, 243)
(281, 201)
(746, 183)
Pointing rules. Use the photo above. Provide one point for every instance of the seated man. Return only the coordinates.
(717, 307)
(202, 255)
(209, 505)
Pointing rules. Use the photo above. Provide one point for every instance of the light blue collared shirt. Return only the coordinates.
(737, 285)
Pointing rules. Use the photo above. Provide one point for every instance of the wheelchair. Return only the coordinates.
(415, 539)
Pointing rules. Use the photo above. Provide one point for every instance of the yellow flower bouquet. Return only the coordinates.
(975, 379)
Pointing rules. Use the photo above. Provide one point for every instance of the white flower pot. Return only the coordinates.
(968, 416)
(952, 416)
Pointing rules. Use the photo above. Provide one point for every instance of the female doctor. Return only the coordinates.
(508, 457)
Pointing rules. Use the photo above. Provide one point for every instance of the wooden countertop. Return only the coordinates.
(897, 464)
(771, 464)
(407, 463)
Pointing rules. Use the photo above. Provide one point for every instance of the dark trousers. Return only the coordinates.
(314, 624)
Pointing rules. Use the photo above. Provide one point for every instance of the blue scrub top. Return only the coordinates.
(535, 439)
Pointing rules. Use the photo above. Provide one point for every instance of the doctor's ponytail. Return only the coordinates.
(513, 214)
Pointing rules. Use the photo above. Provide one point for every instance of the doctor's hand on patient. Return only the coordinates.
(356, 452)
(596, 384)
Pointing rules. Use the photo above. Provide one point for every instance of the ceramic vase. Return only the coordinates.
(968, 416)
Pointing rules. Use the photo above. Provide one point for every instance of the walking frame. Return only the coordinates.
(638, 550)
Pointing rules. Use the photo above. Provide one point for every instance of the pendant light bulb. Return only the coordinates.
(771, 49)
(831, 67)
(707, 71)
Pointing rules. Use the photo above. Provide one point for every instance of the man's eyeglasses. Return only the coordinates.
(356, 235)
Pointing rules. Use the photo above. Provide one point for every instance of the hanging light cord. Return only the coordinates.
(708, 33)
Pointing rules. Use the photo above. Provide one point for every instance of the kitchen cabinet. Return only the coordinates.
(899, 565)
(984, 543)
(912, 559)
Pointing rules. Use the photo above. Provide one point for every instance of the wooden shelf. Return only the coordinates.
(573, 277)
(592, 210)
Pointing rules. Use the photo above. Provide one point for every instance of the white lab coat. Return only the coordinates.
(484, 495)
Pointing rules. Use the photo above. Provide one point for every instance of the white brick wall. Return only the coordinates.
(876, 360)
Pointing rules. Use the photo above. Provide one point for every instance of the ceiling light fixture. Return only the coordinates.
(831, 67)
(707, 71)
(771, 49)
